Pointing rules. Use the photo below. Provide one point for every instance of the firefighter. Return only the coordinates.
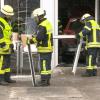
(44, 42)
(91, 31)
(6, 46)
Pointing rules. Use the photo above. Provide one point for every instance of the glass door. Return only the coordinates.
(69, 14)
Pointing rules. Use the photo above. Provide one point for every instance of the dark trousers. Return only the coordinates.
(4, 64)
(45, 64)
(91, 57)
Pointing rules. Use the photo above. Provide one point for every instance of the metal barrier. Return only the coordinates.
(20, 60)
(24, 65)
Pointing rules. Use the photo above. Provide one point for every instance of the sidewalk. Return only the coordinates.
(64, 86)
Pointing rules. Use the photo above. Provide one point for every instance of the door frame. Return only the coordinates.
(54, 20)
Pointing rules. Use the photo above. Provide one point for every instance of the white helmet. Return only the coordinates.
(38, 12)
(7, 10)
(85, 16)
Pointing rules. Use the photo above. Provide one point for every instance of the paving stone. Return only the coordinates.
(63, 87)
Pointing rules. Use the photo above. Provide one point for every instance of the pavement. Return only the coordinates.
(64, 86)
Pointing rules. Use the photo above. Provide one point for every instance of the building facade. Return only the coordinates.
(23, 8)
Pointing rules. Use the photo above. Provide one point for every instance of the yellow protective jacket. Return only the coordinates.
(91, 31)
(5, 37)
(44, 37)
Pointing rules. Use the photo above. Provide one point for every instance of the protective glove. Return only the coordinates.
(29, 41)
(81, 35)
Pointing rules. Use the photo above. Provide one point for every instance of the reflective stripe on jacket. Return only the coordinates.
(44, 37)
(92, 32)
(5, 37)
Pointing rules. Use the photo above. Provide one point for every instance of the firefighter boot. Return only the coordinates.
(2, 82)
(48, 81)
(88, 73)
(43, 83)
(94, 72)
(8, 79)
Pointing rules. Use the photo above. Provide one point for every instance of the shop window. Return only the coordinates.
(23, 10)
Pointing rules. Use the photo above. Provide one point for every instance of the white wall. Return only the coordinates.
(51, 7)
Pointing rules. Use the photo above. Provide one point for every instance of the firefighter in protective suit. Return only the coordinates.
(44, 42)
(91, 31)
(5, 45)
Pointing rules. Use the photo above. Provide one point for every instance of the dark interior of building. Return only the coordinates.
(69, 9)
(74, 8)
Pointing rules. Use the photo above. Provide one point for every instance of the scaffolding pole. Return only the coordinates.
(97, 14)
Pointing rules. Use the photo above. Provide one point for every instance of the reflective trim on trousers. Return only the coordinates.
(1, 64)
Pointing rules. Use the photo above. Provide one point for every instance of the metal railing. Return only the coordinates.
(20, 60)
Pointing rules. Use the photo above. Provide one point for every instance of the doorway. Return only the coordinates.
(68, 11)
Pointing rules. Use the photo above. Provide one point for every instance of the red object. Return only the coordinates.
(73, 27)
